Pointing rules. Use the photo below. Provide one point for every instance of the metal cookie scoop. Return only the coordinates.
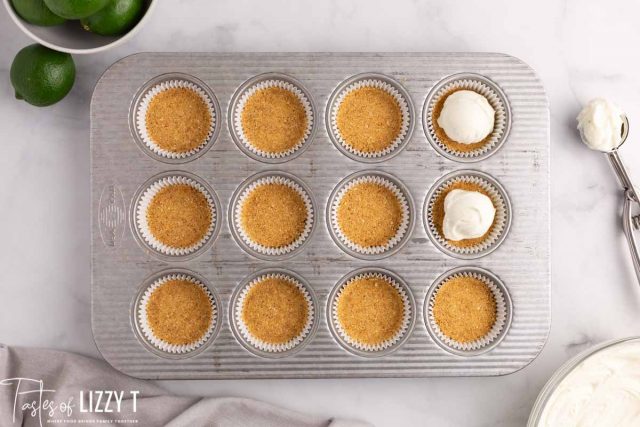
(631, 206)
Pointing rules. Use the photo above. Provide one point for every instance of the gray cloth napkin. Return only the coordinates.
(75, 384)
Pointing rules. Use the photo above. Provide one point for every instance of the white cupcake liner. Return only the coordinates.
(499, 223)
(257, 247)
(397, 337)
(492, 335)
(159, 343)
(496, 102)
(141, 117)
(242, 101)
(402, 229)
(404, 109)
(263, 345)
(143, 225)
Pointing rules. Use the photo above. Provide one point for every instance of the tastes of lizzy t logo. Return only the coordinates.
(32, 399)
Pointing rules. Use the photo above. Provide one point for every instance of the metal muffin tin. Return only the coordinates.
(120, 167)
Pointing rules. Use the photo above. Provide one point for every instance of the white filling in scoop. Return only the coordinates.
(600, 125)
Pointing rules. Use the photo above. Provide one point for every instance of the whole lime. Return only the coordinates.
(117, 18)
(75, 9)
(36, 12)
(42, 76)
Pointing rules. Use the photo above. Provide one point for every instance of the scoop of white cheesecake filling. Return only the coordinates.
(467, 117)
(467, 215)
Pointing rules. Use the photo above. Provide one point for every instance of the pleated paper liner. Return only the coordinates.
(144, 197)
(235, 213)
(141, 105)
(158, 345)
(500, 328)
(485, 87)
(253, 343)
(388, 346)
(501, 223)
(404, 230)
(391, 87)
(240, 100)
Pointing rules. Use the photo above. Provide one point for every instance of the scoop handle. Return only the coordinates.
(629, 222)
(630, 209)
(621, 173)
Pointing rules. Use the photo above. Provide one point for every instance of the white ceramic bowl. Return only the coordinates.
(71, 38)
(561, 374)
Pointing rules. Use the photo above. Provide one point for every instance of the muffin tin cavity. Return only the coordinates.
(202, 201)
(242, 298)
(277, 112)
(476, 181)
(353, 344)
(370, 97)
(250, 201)
(390, 186)
(503, 314)
(144, 304)
(461, 152)
(201, 109)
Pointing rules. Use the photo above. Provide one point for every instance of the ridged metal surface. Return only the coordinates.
(522, 262)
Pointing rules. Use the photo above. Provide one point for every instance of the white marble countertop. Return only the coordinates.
(580, 48)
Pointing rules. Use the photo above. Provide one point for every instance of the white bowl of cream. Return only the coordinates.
(599, 387)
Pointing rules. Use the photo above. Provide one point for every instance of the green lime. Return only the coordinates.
(75, 9)
(117, 18)
(42, 76)
(36, 12)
